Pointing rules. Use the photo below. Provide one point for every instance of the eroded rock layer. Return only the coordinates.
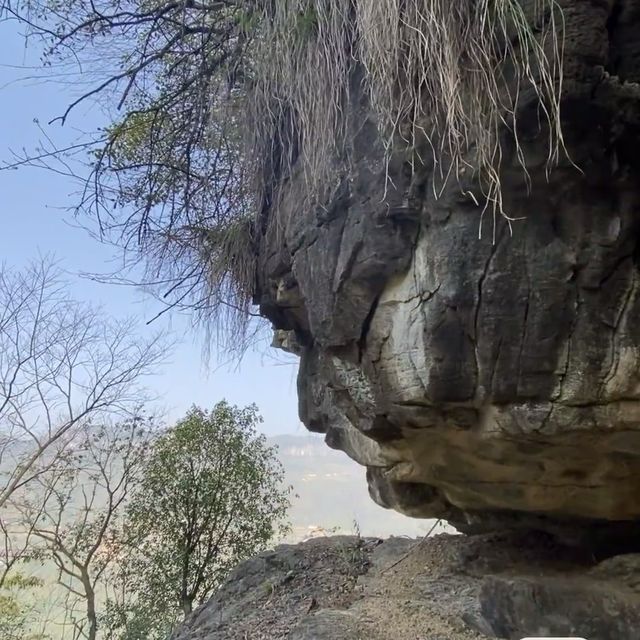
(484, 371)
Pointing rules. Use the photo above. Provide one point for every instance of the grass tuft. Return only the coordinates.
(451, 73)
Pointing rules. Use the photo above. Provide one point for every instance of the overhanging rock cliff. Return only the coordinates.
(484, 372)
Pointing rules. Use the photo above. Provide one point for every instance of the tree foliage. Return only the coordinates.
(211, 495)
(165, 179)
(17, 608)
(215, 105)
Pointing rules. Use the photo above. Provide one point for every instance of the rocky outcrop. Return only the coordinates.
(446, 587)
(484, 371)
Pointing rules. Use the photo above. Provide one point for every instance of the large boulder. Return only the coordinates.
(486, 371)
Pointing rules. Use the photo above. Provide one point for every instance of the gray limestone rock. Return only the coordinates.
(451, 587)
(558, 607)
(485, 372)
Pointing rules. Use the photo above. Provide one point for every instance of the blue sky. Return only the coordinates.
(34, 221)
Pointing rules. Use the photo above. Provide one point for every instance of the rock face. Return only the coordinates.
(443, 588)
(484, 372)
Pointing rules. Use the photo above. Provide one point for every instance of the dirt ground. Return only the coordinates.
(350, 588)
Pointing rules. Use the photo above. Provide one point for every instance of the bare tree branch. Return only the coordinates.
(64, 367)
(76, 510)
(165, 181)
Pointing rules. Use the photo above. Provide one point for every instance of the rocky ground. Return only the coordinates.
(447, 587)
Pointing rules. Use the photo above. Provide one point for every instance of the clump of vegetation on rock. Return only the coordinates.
(448, 73)
(219, 104)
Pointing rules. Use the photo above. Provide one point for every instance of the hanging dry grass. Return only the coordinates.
(230, 257)
(173, 181)
(227, 263)
(448, 71)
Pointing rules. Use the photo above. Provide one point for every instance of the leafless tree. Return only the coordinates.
(78, 524)
(63, 366)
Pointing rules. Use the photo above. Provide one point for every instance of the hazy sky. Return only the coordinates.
(34, 221)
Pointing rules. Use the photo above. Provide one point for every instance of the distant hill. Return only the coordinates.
(332, 493)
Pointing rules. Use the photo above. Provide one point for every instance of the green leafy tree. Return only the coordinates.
(211, 495)
(17, 608)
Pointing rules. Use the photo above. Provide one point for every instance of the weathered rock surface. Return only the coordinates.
(493, 381)
(442, 588)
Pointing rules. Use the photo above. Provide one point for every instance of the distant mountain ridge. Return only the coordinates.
(295, 445)
(331, 493)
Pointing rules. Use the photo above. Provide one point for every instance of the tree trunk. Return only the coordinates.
(186, 606)
(90, 598)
